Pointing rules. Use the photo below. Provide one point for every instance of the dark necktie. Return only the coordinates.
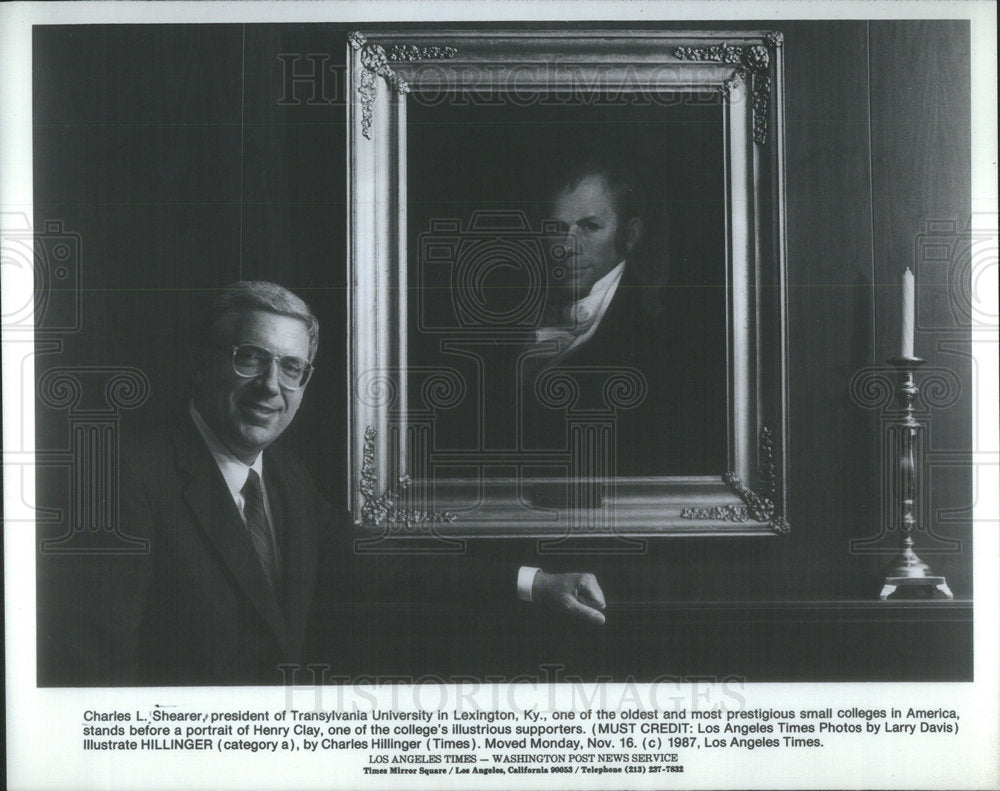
(257, 524)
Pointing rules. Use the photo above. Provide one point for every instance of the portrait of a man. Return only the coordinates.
(592, 259)
(597, 323)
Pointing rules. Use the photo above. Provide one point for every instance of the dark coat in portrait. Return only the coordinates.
(623, 377)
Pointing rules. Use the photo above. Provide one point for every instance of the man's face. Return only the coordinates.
(248, 414)
(587, 213)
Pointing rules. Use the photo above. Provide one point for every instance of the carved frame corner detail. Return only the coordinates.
(757, 505)
(384, 510)
(375, 63)
(752, 63)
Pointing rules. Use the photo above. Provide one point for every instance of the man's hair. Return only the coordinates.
(241, 297)
(621, 180)
(617, 174)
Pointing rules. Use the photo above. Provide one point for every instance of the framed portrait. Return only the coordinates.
(506, 378)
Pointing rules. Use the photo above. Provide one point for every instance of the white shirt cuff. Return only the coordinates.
(525, 579)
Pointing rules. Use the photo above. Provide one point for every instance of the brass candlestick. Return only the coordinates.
(906, 569)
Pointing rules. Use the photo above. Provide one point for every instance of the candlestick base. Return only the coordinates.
(927, 585)
(909, 572)
(907, 564)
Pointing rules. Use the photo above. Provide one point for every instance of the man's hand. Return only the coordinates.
(577, 595)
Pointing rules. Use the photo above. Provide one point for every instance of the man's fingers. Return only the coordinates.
(590, 592)
(577, 595)
(580, 610)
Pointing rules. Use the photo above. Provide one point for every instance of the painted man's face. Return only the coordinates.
(587, 215)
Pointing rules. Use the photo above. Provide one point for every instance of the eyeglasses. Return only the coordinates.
(250, 361)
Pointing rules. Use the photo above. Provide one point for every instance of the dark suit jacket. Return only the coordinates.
(196, 608)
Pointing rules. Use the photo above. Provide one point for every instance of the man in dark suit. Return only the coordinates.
(245, 560)
(597, 331)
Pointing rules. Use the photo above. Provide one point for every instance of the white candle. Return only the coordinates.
(907, 313)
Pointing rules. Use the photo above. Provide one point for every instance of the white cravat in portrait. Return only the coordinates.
(582, 318)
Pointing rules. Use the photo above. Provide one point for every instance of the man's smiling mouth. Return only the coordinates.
(260, 410)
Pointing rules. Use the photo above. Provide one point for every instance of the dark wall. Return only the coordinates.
(184, 159)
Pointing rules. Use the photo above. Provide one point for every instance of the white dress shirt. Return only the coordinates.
(234, 471)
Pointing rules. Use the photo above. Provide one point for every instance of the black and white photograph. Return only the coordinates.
(393, 393)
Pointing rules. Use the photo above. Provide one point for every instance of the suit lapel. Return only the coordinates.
(216, 515)
(294, 521)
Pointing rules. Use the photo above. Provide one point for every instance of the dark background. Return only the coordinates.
(183, 161)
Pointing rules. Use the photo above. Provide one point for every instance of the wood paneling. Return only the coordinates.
(183, 174)
(137, 150)
(294, 212)
(921, 149)
(830, 303)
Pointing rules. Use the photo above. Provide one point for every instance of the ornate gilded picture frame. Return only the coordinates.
(437, 116)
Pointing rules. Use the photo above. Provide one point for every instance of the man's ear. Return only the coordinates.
(633, 233)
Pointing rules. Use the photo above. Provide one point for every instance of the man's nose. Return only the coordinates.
(566, 246)
(268, 378)
(571, 241)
